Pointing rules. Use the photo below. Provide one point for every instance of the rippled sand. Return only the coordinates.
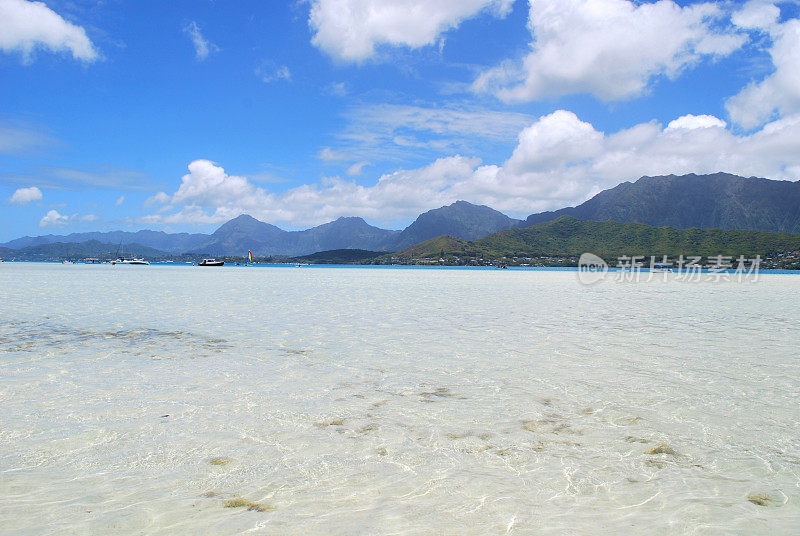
(178, 400)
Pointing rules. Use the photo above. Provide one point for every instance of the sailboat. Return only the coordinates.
(249, 257)
(120, 258)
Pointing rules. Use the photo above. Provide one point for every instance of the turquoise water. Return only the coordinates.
(185, 400)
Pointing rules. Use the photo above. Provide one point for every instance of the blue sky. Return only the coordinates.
(180, 115)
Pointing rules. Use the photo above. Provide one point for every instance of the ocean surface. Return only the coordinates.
(296, 401)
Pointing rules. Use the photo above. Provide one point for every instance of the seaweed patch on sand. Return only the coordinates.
(325, 424)
(239, 502)
(762, 499)
(662, 449)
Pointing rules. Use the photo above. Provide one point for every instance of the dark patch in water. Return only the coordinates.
(662, 449)
(439, 392)
(238, 502)
(32, 336)
(325, 424)
(761, 499)
(629, 421)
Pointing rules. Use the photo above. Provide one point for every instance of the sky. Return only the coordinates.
(181, 115)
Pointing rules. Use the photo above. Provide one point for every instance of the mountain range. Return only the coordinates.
(244, 233)
(720, 200)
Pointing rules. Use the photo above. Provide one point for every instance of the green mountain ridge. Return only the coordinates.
(716, 201)
(569, 237)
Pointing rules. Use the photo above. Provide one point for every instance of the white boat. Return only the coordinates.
(131, 261)
(122, 260)
(211, 262)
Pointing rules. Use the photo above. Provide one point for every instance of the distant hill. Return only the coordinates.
(245, 233)
(720, 201)
(81, 250)
(441, 245)
(241, 234)
(461, 220)
(570, 237)
(170, 242)
(339, 256)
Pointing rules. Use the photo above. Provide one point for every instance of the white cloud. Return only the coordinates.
(158, 198)
(396, 132)
(339, 89)
(779, 93)
(18, 139)
(202, 46)
(757, 15)
(26, 26)
(119, 201)
(608, 48)
(696, 121)
(209, 195)
(23, 196)
(269, 72)
(357, 168)
(53, 219)
(350, 30)
(329, 155)
(559, 160)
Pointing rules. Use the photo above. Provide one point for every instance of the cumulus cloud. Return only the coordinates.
(608, 48)
(23, 196)
(757, 15)
(202, 46)
(559, 160)
(779, 93)
(27, 26)
(587, 160)
(208, 194)
(53, 219)
(696, 121)
(350, 30)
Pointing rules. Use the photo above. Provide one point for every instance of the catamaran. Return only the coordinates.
(120, 258)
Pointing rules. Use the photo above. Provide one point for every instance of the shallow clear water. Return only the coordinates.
(142, 400)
